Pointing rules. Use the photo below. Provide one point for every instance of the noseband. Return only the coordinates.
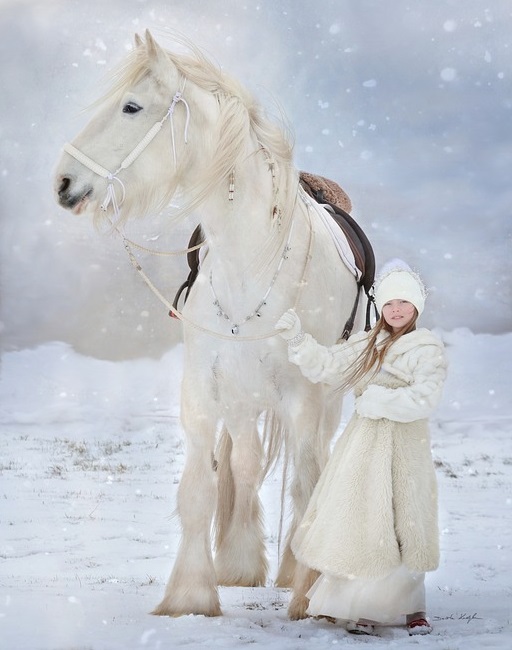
(131, 157)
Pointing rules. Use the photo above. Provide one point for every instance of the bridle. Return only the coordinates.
(98, 169)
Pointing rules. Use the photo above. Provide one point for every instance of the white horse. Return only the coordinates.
(175, 123)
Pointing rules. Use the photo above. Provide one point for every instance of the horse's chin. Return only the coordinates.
(75, 204)
(89, 209)
(82, 206)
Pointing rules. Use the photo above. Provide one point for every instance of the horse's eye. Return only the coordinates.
(131, 107)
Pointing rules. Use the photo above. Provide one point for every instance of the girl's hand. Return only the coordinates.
(289, 325)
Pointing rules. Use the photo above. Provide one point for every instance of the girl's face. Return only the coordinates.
(398, 313)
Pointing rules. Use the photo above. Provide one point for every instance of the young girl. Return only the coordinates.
(370, 528)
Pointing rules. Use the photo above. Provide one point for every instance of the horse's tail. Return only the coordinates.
(273, 439)
(225, 486)
(277, 441)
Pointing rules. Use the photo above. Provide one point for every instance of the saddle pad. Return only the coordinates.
(338, 236)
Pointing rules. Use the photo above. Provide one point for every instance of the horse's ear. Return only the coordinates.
(138, 41)
(154, 50)
(157, 57)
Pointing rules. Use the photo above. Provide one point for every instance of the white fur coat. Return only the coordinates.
(375, 505)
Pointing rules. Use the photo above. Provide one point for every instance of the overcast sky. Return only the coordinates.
(406, 104)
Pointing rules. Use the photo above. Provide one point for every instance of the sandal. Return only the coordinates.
(360, 628)
(419, 626)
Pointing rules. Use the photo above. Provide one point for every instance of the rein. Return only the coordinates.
(152, 251)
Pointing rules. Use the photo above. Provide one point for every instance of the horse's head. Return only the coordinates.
(143, 140)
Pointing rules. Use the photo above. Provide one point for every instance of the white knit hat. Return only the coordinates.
(398, 281)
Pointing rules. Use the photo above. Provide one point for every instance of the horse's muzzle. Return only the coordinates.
(69, 199)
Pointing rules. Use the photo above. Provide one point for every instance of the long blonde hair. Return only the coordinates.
(372, 357)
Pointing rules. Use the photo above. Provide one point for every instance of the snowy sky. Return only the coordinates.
(406, 104)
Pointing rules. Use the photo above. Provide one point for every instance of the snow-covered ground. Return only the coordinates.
(91, 454)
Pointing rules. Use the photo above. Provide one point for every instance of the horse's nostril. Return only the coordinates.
(64, 185)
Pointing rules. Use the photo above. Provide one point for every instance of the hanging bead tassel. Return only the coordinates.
(231, 193)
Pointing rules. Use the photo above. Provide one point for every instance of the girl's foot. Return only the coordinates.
(419, 626)
(360, 628)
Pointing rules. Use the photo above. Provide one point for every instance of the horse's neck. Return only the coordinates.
(238, 226)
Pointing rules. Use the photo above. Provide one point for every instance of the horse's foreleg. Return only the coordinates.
(192, 587)
(240, 559)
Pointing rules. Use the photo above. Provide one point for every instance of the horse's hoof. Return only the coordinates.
(167, 608)
(297, 608)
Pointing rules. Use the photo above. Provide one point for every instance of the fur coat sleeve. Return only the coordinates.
(319, 363)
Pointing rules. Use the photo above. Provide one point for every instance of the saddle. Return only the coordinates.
(337, 203)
